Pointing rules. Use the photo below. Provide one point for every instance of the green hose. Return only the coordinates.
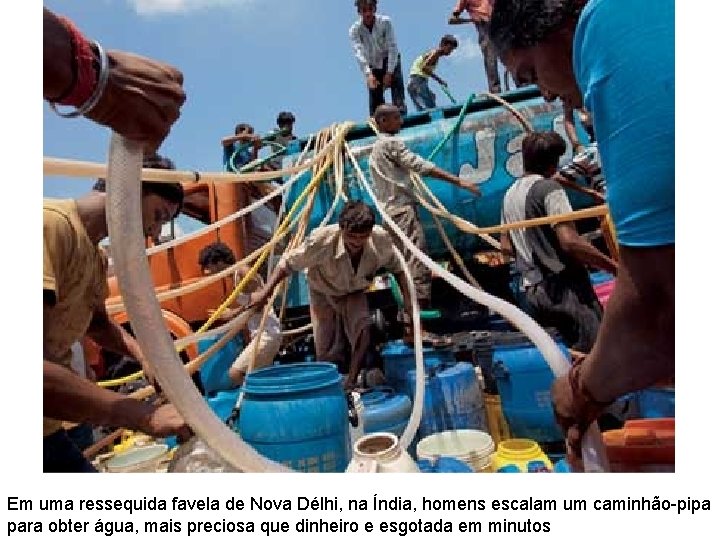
(455, 128)
(446, 91)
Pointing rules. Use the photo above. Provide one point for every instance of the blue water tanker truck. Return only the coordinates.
(485, 148)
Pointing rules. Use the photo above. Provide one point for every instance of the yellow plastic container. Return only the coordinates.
(127, 442)
(519, 452)
(497, 425)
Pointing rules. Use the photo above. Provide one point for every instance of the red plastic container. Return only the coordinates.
(642, 446)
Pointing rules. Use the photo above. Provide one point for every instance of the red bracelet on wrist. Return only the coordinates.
(84, 68)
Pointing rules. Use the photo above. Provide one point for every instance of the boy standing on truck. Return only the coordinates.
(283, 135)
(391, 166)
(241, 148)
(480, 12)
(376, 50)
(424, 67)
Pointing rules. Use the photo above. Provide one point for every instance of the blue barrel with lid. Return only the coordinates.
(399, 360)
(523, 380)
(385, 411)
(452, 400)
(297, 414)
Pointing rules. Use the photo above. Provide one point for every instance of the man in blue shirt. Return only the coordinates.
(618, 60)
(241, 148)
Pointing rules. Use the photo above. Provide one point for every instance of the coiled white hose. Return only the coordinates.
(419, 399)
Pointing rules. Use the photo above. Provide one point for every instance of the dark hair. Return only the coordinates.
(524, 23)
(285, 117)
(156, 161)
(170, 191)
(242, 127)
(384, 110)
(217, 252)
(357, 217)
(359, 4)
(541, 151)
(449, 39)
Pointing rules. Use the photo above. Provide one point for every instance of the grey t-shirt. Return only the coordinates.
(537, 249)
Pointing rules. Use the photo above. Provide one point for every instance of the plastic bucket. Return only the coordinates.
(223, 403)
(470, 446)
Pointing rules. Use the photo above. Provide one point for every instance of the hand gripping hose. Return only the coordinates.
(136, 285)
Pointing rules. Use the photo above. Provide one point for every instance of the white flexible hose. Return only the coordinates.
(82, 169)
(593, 452)
(136, 285)
(419, 399)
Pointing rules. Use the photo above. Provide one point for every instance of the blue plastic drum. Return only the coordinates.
(297, 414)
(524, 380)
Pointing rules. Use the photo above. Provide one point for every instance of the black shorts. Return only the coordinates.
(569, 303)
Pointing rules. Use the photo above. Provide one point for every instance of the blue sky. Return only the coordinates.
(246, 60)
